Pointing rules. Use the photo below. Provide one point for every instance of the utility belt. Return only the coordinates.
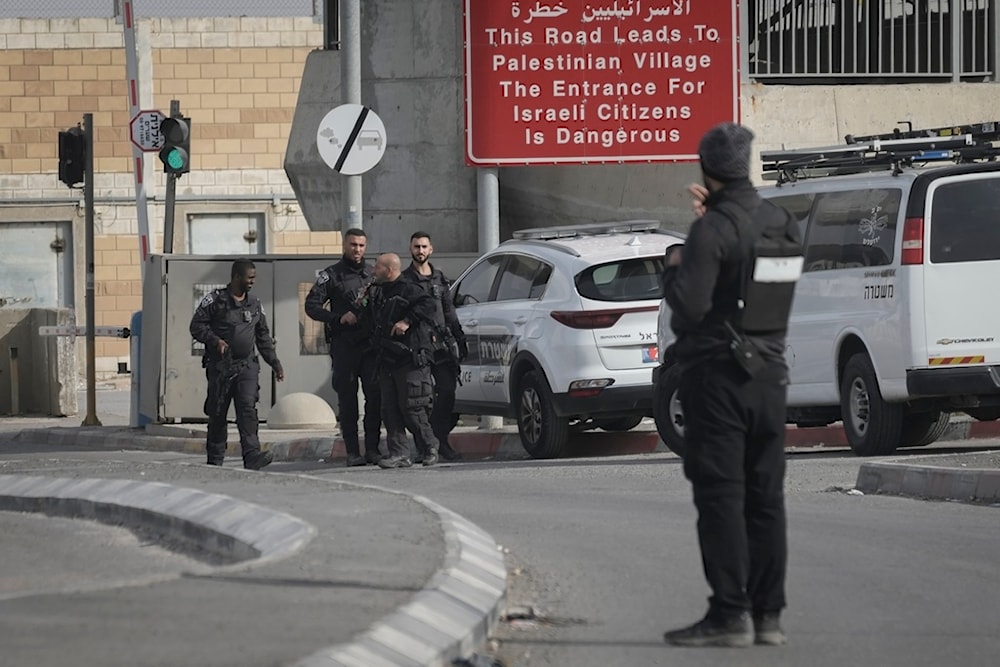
(397, 353)
(228, 361)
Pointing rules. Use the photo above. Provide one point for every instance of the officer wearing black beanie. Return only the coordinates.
(734, 416)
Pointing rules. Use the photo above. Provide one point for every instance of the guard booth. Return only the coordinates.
(172, 384)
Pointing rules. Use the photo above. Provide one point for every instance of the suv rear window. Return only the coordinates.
(965, 221)
(636, 279)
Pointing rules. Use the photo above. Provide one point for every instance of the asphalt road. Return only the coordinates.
(602, 558)
(604, 553)
(78, 556)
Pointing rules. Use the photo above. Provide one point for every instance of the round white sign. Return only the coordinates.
(351, 139)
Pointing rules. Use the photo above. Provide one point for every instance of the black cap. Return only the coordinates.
(725, 152)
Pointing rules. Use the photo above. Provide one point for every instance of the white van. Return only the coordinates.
(892, 327)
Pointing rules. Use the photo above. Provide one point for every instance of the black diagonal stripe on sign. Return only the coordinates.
(351, 139)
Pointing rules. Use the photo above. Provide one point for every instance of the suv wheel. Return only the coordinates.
(667, 412)
(923, 428)
(620, 424)
(543, 433)
(873, 427)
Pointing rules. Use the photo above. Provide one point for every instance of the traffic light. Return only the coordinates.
(176, 152)
(72, 156)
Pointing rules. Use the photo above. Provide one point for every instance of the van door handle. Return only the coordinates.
(520, 320)
(470, 323)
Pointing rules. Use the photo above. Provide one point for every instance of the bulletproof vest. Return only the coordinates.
(772, 264)
(351, 284)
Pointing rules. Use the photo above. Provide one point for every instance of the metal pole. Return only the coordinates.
(955, 11)
(138, 158)
(88, 199)
(168, 208)
(993, 48)
(488, 197)
(350, 81)
(168, 214)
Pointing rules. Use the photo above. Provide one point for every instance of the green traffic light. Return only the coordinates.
(176, 158)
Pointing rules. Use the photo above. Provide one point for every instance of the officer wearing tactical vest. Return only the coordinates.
(344, 287)
(404, 316)
(730, 307)
(229, 321)
(450, 347)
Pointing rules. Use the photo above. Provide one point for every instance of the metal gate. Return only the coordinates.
(187, 281)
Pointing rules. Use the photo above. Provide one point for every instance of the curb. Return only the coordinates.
(450, 618)
(239, 532)
(472, 443)
(900, 479)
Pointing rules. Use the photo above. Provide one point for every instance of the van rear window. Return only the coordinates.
(965, 221)
(851, 229)
(636, 279)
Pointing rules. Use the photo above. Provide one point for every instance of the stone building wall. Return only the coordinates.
(237, 78)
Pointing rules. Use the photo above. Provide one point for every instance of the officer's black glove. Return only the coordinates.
(463, 349)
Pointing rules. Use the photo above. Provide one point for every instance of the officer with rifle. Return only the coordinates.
(230, 322)
(344, 287)
(404, 315)
(450, 347)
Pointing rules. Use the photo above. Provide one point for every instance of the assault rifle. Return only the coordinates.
(387, 313)
(227, 370)
(357, 302)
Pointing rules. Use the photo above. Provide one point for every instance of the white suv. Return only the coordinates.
(561, 327)
(892, 328)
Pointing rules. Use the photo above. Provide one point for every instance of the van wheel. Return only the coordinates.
(923, 428)
(619, 425)
(873, 427)
(667, 412)
(543, 433)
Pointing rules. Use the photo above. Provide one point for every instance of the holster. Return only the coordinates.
(745, 353)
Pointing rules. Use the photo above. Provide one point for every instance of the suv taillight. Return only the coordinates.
(913, 241)
(594, 319)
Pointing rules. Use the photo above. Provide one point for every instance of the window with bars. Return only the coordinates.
(814, 41)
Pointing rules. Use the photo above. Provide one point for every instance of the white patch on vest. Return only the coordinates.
(322, 278)
(777, 269)
(207, 301)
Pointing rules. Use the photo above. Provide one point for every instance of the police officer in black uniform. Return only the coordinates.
(733, 398)
(404, 316)
(344, 286)
(229, 321)
(450, 347)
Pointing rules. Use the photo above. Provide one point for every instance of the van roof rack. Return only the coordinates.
(879, 152)
(587, 229)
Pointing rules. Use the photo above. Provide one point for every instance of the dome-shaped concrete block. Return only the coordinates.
(301, 411)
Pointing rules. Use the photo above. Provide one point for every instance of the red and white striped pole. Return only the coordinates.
(132, 72)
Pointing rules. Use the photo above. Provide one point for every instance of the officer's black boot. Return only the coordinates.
(431, 457)
(257, 460)
(216, 453)
(354, 457)
(448, 454)
(372, 454)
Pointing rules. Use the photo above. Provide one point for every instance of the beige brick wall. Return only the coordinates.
(237, 78)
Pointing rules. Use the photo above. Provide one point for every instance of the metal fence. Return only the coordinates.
(841, 41)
